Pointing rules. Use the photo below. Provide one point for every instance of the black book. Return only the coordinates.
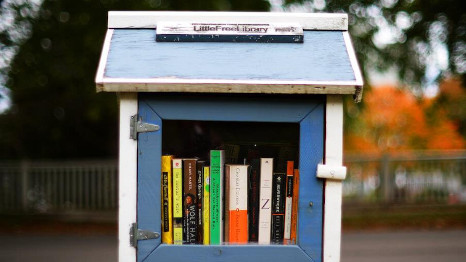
(190, 234)
(278, 207)
(253, 201)
(200, 190)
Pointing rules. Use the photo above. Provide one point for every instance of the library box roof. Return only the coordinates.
(318, 59)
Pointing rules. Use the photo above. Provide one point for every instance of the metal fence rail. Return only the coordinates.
(406, 178)
(416, 177)
(50, 187)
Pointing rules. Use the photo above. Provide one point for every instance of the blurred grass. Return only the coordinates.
(416, 217)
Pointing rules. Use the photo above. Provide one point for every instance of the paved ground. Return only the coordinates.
(425, 246)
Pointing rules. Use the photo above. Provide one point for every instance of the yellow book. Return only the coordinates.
(177, 201)
(167, 212)
(206, 206)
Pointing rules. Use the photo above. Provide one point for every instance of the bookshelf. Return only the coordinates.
(279, 95)
(307, 113)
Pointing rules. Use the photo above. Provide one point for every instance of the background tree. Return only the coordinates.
(393, 119)
(55, 112)
(422, 41)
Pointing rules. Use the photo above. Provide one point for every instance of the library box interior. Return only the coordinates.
(231, 130)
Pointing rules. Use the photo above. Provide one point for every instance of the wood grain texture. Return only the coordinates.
(149, 178)
(149, 19)
(231, 108)
(333, 188)
(134, 54)
(310, 188)
(233, 253)
(127, 177)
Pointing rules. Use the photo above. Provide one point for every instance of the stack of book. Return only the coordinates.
(221, 203)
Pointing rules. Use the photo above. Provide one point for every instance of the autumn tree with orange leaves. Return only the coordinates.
(393, 119)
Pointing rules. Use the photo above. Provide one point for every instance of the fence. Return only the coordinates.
(406, 178)
(52, 187)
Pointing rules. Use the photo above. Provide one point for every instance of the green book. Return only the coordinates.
(217, 159)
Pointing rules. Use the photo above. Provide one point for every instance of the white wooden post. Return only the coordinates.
(333, 188)
(127, 177)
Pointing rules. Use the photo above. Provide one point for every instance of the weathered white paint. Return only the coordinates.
(334, 172)
(333, 188)
(226, 86)
(354, 65)
(127, 177)
(149, 19)
(103, 57)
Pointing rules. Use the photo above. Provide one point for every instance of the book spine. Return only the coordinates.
(189, 201)
(278, 207)
(206, 206)
(216, 188)
(167, 212)
(289, 199)
(294, 212)
(238, 203)
(177, 201)
(253, 200)
(226, 205)
(199, 190)
(266, 171)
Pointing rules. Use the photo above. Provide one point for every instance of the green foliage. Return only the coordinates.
(419, 31)
(56, 112)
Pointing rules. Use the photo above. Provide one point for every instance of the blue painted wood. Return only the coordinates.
(230, 108)
(134, 53)
(311, 153)
(307, 110)
(149, 169)
(229, 253)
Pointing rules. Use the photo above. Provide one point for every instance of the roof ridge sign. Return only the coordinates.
(229, 32)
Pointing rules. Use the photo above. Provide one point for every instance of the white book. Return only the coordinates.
(236, 228)
(265, 200)
(288, 210)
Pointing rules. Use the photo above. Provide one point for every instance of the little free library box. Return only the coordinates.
(231, 130)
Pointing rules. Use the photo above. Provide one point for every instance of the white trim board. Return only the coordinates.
(333, 188)
(354, 64)
(127, 177)
(149, 19)
(99, 78)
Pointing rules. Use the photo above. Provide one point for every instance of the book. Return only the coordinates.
(177, 201)
(253, 200)
(266, 171)
(278, 207)
(294, 212)
(206, 206)
(226, 206)
(167, 212)
(236, 196)
(190, 234)
(288, 199)
(199, 191)
(217, 160)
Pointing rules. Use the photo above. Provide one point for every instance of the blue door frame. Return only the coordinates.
(308, 111)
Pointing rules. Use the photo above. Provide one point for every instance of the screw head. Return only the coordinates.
(311, 203)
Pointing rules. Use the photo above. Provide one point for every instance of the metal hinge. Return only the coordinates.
(137, 126)
(136, 234)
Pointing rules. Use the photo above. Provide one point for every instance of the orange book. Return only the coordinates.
(294, 210)
(237, 182)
